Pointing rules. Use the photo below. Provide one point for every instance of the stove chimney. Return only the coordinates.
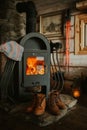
(31, 13)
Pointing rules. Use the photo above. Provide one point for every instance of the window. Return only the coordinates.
(81, 34)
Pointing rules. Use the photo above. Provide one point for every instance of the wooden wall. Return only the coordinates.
(78, 63)
(49, 6)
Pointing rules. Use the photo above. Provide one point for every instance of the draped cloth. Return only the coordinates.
(12, 50)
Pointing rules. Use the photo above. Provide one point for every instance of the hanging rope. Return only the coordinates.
(67, 44)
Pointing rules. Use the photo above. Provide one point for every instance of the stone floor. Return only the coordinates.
(45, 119)
(75, 119)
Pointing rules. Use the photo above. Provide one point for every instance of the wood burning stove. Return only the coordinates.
(34, 69)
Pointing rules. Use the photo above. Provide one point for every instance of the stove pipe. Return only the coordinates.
(31, 14)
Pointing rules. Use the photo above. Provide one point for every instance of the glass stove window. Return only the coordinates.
(35, 65)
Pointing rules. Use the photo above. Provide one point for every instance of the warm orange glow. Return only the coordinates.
(76, 93)
(34, 66)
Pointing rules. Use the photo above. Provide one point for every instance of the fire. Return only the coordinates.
(34, 66)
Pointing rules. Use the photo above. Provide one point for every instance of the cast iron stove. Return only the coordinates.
(34, 69)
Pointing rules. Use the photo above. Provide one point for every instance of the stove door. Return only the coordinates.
(35, 65)
(36, 70)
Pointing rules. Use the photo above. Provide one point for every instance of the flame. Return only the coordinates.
(34, 66)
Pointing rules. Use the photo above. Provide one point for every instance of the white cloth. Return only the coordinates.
(12, 50)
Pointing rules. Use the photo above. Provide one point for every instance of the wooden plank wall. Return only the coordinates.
(77, 63)
(49, 6)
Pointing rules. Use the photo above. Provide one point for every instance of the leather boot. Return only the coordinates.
(60, 104)
(52, 106)
(31, 105)
(40, 104)
(58, 100)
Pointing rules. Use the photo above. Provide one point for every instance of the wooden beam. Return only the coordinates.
(81, 5)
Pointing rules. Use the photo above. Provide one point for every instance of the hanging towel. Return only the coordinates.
(12, 50)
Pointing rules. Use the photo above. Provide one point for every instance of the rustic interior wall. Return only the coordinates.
(13, 27)
(77, 63)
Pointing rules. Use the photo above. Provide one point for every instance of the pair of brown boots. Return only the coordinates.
(38, 104)
(55, 103)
